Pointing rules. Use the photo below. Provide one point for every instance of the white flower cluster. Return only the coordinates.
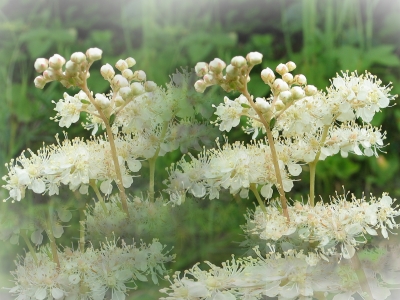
(339, 227)
(95, 274)
(146, 218)
(234, 167)
(74, 163)
(290, 276)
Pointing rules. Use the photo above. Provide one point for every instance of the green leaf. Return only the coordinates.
(383, 55)
(272, 123)
(245, 105)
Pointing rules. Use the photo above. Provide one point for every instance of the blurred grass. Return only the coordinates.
(322, 37)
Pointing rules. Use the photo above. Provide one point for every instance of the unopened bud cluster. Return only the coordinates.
(70, 73)
(236, 73)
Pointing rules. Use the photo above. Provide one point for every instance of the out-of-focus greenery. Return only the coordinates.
(322, 37)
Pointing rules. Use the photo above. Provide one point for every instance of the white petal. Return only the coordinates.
(57, 293)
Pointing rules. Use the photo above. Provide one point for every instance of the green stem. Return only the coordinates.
(313, 164)
(50, 235)
(271, 143)
(124, 199)
(29, 244)
(98, 194)
(152, 161)
(82, 230)
(253, 188)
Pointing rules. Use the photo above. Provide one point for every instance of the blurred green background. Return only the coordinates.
(321, 37)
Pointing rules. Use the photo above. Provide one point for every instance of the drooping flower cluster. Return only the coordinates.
(292, 275)
(233, 166)
(74, 163)
(95, 274)
(338, 227)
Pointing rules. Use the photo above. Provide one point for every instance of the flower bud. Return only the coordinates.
(200, 86)
(128, 74)
(71, 67)
(254, 58)
(130, 61)
(121, 65)
(150, 86)
(41, 64)
(209, 79)
(102, 100)
(137, 88)
(217, 65)
(94, 54)
(268, 76)
(120, 81)
(300, 79)
(280, 86)
(232, 71)
(262, 105)
(201, 69)
(139, 75)
(310, 90)
(49, 75)
(279, 105)
(297, 92)
(238, 61)
(56, 61)
(40, 82)
(285, 96)
(107, 72)
(282, 69)
(288, 78)
(291, 66)
(119, 101)
(78, 57)
(125, 92)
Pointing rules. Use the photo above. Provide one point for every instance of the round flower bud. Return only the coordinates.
(125, 92)
(217, 65)
(232, 71)
(94, 54)
(279, 85)
(297, 92)
(49, 75)
(279, 105)
(128, 74)
(102, 100)
(121, 65)
(71, 67)
(268, 76)
(78, 57)
(150, 86)
(285, 96)
(139, 75)
(120, 81)
(201, 69)
(137, 88)
(310, 90)
(119, 101)
(288, 77)
(254, 58)
(130, 61)
(238, 61)
(41, 64)
(300, 79)
(40, 82)
(262, 105)
(107, 71)
(200, 86)
(209, 79)
(56, 61)
(282, 69)
(291, 66)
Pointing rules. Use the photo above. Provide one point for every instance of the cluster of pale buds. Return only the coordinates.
(75, 72)
(236, 76)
